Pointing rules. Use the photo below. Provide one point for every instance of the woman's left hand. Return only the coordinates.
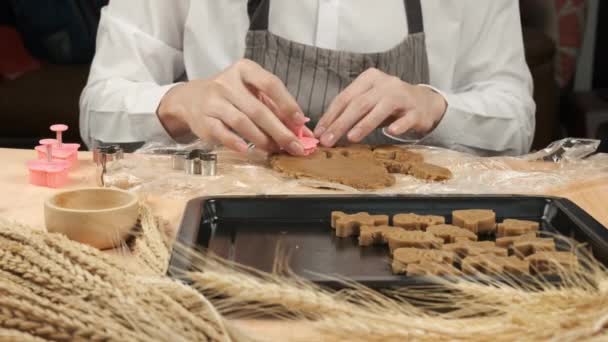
(375, 99)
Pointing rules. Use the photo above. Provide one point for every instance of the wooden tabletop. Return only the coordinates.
(24, 203)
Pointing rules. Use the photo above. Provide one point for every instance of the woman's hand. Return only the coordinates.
(375, 99)
(244, 101)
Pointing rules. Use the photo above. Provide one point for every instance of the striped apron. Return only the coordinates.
(314, 76)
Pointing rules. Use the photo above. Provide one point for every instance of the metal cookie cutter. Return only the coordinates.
(104, 156)
(178, 159)
(200, 162)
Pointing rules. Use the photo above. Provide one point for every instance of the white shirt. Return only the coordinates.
(475, 51)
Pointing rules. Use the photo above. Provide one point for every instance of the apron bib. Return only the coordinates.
(314, 76)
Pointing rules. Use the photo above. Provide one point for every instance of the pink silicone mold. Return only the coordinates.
(61, 150)
(48, 172)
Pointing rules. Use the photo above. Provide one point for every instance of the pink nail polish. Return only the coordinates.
(319, 131)
(354, 134)
(295, 148)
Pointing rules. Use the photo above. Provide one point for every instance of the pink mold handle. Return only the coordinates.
(309, 143)
(61, 150)
(48, 172)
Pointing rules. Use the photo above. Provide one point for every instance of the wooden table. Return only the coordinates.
(24, 203)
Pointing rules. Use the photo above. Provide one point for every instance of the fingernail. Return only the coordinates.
(300, 118)
(242, 147)
(354, 134)
(295, 148)
(328, 139)
(393, 129)
(319, 131)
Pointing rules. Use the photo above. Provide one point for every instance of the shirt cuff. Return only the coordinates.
(450, 129)
(147, 103)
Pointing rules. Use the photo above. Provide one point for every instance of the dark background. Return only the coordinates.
(60, 36)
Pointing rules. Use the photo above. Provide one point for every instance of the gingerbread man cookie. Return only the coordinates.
(347, 225)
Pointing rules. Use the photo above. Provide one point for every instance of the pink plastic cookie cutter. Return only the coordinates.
(48, 172)
(309, 143)
(61, 150)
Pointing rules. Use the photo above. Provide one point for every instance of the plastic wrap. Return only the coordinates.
(149, 172)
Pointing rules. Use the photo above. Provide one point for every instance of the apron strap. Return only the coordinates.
(413, 11)
(258, 14)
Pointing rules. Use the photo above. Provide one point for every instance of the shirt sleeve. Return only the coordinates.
(138, 59)
(490, 107)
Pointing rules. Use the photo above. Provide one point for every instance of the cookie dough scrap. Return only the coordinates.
(479, 221)
(464, 249)
(491, 264)
(402, 257)
(430, 172)
(428, 268)
(508, 241)
(347, 225)
(512, 227)
(375, 235)
(414, 239)
(451, 234)
(396, 153)
(530, 246)
(355, 170)
(553, 262)
(416, 222)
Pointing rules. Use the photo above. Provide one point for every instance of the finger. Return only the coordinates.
(354, 112)
(243, 126)
(253, 75)
(265, 119)
(359, 86)
(404, 124)
(374, 119)
(219, 132)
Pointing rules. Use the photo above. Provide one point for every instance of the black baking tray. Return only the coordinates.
(248, 229)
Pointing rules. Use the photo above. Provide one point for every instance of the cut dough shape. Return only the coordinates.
(392, 152)
(527, 247)
(347, 225)
(416, 222)
(374, 235)
(451, 234)
(357, 170)
(507, 241)
(430, 172)
(402, 257)
(512, 227)
(474, 248)
(479, 221)
(428, 268)
(492, 264)
(553, 262)
(415, 239)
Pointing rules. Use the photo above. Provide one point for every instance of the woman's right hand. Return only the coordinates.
(227, 108)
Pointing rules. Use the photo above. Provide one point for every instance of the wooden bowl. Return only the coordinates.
(99, 217)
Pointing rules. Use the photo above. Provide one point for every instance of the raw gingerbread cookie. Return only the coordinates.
(451, 234)
(415, 239)
(512, 227)
(507, 241)
(402, 257)
(347, 225)
(349, 151)
(479, 221)
(430, 172)
(374, 235)
(428, 268)
(534, 245)
(552, 262)
(416, 222)
(357, 171)
(474, 248)
(492, 264)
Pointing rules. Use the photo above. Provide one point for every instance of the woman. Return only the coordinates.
(233, 72)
